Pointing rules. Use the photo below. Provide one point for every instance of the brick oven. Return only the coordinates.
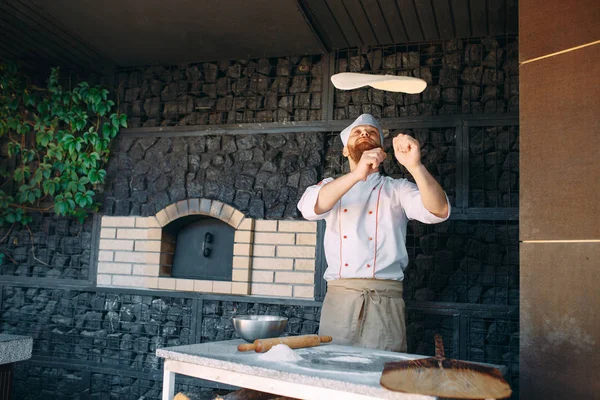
(270, 258)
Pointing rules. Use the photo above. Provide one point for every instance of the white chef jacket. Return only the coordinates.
(365, 234)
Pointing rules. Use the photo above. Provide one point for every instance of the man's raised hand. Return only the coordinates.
(369, 162)
(407, 151)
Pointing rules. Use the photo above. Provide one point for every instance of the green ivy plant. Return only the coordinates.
(59, 140)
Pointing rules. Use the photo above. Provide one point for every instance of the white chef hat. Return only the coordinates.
(364, 119)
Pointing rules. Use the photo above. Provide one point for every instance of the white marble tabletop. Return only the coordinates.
(14, 348)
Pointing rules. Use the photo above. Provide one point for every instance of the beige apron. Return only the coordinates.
(365, 313)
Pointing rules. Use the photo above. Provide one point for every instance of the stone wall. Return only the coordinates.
(494, 166)
(53, 247)
(463, 262)
(122, 329)
(258, 90)
(263, 176)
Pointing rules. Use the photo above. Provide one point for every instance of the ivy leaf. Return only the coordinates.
(80, 125)
(48, 186)
(94, 177)
(106, 130)
(68, 138)
(72, 187)
(21, 173)
(13, 149)
(46, 171)
(37, 177)
(44, 139)
(81, 199)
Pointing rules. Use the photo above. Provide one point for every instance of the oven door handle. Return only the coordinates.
(206, 250)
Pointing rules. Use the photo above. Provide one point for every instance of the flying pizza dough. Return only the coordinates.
(390, 83)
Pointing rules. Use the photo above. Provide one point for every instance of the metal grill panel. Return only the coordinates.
(227, 92)
(464, 76)
(494, 166)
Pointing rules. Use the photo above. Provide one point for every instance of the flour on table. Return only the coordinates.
(351, 359)
(280, 353)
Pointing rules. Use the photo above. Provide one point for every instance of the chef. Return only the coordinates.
(366, 215)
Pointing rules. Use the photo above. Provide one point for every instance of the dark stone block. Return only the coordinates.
(308, 177)
(121, 188)
(140, 196)
(225, 103)
(283, 67)
(256, 209)
(177, 194)
(309, 328)
(473, 54)
(450, 95)
(245, 142)
(448, 77)
(452, 60)
(472, 75)
(492, 77)
(299, 85)
(169, 93)
(241, 201)
(275, 212)
(210, 72)
(244, 182)
(160, 201)
(259, 84)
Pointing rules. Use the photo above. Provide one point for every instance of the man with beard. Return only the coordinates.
(366, 215)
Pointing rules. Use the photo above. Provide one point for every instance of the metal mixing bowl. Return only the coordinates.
(252, 327)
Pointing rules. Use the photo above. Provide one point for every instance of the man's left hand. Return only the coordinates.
(407, 151)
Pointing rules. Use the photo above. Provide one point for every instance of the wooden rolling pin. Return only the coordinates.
(294, 342)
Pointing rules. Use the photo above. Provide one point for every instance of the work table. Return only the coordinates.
(327, 371)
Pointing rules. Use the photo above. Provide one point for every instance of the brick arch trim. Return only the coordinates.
(200, 206)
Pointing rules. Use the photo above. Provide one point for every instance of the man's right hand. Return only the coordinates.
(369, 163)
(332, 192)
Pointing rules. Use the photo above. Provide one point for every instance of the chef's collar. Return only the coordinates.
(364, 119)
